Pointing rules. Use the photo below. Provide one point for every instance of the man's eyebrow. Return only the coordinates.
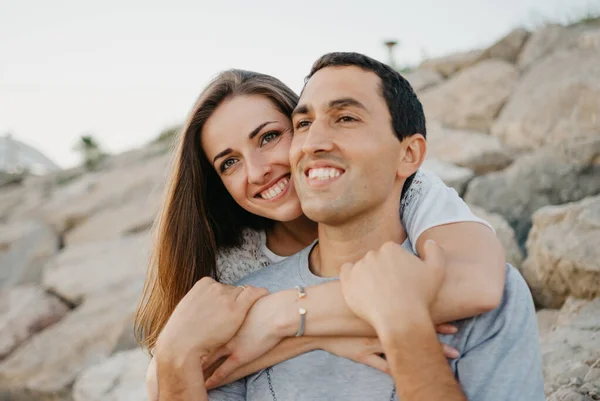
(300, 109)
(222, 153)
(345, 102)
(256, 130)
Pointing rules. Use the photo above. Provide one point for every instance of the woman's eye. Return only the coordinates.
(227, 164)
(268, 137)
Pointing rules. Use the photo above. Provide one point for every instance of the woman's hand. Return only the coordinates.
(206, 318)
(255, 337)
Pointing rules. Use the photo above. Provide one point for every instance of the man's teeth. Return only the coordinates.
(323, 173)
(276, 189)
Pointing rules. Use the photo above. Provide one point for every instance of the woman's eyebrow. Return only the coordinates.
(222, 153)
(256, 130)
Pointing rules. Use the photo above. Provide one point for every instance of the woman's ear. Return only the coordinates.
(414, 150)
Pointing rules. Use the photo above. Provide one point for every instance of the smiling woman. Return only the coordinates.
(231, 208)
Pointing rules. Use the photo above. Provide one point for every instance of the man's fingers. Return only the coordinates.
(377, 362)
(433, 254)
(214, 357)
(249, 295)
(449, 352)
(219, 375)
(446, 328)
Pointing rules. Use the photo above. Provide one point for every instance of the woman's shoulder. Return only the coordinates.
(237, 262)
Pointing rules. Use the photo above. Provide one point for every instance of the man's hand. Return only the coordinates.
(392, 282)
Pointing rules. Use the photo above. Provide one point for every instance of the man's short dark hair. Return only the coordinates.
(405, 108)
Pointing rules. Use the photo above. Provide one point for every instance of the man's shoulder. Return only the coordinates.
(277, 276)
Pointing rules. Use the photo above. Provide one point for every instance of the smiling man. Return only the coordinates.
(357, 139)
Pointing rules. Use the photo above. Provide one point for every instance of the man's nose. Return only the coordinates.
(258, 170)
(317, 139)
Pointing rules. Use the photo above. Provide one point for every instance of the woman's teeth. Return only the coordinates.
(323, 173)
(276, 189)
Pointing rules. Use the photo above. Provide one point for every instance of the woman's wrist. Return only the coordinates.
(287, 319)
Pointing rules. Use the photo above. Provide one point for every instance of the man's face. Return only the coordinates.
(344, 154)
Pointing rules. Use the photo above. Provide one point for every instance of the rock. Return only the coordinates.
(550, 176)
(547, 319)
(25, 311)
(535, 116)
(508, 48)
(10, 198)
(478, 152)
(423, 78)
(134, 217)
(81, 271)
(472, 98)
(99, 191)
(505, 234)
(453, 176)
(563, 253)
(24, 249)
(46, 366)
(541, 43)
(449, 65)
(119, 378)
(553, 38)
(571, 355)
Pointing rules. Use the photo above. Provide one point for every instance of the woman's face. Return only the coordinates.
(247, 140)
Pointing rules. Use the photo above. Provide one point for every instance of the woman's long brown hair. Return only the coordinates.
(199, 217)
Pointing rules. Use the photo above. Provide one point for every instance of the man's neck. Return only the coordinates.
(349, 242)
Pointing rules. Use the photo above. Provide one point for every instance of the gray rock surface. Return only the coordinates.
(473, 97)
(563, 252)
(550, 176)
(453, 176)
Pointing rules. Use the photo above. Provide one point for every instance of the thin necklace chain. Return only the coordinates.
(275, 397)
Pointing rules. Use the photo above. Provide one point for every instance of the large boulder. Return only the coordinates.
(557, 100)
(91, 193)
(24, 311)
(508, 48)
(25, 247)
(85, 270)
(563, 254)
(453, 176)
(133, 217)
(476, 151)
(423, 78)
(46, 366)
(505, 234)
(449, 65)
(121, 377)
(550, 176)
(472, 98)
(571, 355)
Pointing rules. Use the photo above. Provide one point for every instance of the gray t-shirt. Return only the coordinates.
(500, 352)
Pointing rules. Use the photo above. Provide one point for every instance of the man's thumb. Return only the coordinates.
(433, 254)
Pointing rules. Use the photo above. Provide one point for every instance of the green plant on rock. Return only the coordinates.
(91, 153)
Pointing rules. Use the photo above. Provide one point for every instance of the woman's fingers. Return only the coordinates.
(377, 362)
(219, 375)
(449, 352)
(446, 328)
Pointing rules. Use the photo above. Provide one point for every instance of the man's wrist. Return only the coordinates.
(175, 357)
(410, 322)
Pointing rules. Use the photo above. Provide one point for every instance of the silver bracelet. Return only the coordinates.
(301, 312)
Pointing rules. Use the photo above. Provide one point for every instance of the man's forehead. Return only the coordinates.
(340, 82)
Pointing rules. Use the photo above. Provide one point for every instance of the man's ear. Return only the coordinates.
(414, 150)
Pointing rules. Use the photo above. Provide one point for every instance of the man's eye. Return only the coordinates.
(346, 119)
(227, 164)
(302, 124)
(268, 137)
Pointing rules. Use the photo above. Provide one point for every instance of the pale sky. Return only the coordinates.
(125, 69)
